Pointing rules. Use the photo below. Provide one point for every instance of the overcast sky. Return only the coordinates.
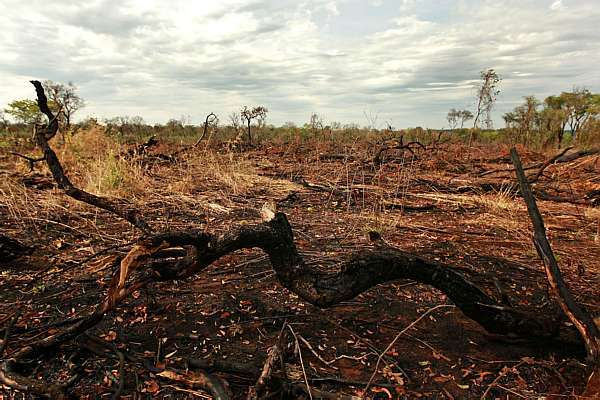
(407, 61)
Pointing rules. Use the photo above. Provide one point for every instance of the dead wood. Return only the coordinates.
(377, 159)
(63, 182)
(561, 157)
(577, 154)
(390, 205)
(7, 330)
(30, 160)
(141, 149)
(533, 178)
(198, 379)
(336, 157)
(210, 119)
(580, 318)
(275, 353)
(359, 273)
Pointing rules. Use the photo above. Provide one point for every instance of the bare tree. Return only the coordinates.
(66, 97)
(316, 123)
(487, 93)
(234, 120)
(372, 119)
(452, 118)
(259, 113)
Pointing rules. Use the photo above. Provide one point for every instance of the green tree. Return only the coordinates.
(24, 111)
(573, 109)
(524, 120)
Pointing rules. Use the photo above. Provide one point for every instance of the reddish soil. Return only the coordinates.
(235, 309)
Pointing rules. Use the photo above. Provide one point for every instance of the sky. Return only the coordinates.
(403, 62)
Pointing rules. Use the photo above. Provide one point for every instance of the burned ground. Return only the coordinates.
(436, 203)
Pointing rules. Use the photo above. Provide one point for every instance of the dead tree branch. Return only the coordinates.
(359, 273)
(538, 174)
(399, 145)
(41, 138)
(30, 160)
(275, 353)
(210, 119)
(580, 318)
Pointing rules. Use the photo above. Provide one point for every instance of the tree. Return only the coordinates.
(486, 95)
(452, 118)
(25, 111)
(555, 116)
(580, 105)
(525, 119)
(464, 116)
(247, 114)
(66, 97)
(573, 108)
(316, 123)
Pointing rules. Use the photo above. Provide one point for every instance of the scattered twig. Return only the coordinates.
(503, 372)
(301, 362)
(119, 390)
(274, 353)
(328, 363)
(426, 313)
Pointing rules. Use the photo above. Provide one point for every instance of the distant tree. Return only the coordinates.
(452, 118)
(486, 94)
(174, 124)
(25, 111)
(234, 120)
(316, 123)
(573, 108)
(372, 119)
(65, 97)
(555, 116)
(580, 105)
(464, 116)
(335, 125)
(525, 120)
(125, 125)
(259, 113)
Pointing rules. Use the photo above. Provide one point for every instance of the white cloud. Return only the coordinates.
(557, 5)
(162, 60)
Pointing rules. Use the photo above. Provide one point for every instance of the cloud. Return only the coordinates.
(410, 62)
(557, 5)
